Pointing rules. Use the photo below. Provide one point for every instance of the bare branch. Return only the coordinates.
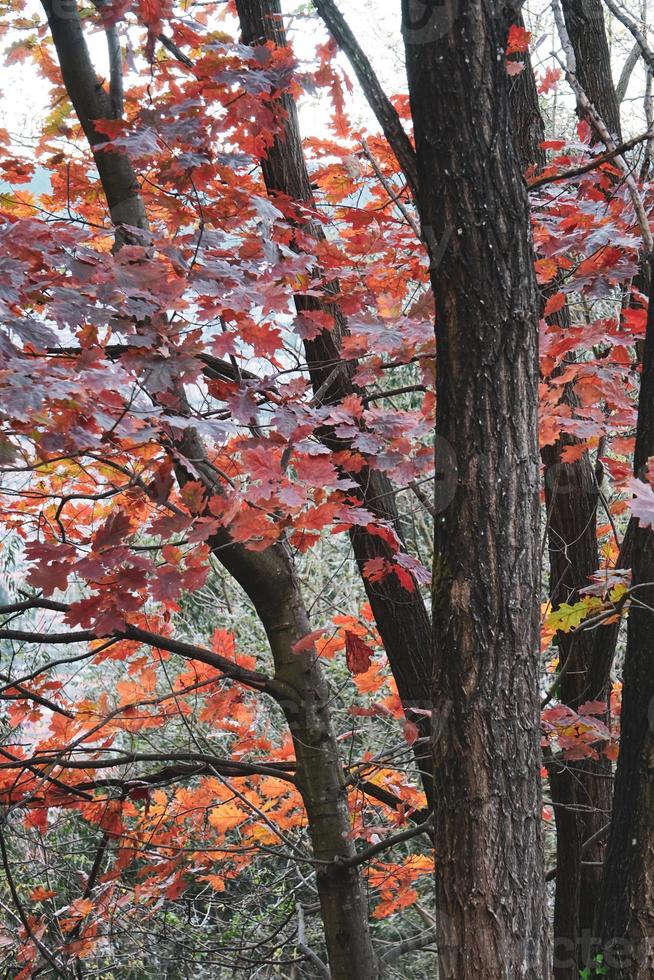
(43, 950)
(370, 852)
(627, 20)
(627, 71)
(422, 939)
(177, 53)
(591, 113)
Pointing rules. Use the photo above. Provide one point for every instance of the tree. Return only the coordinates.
(263, 567)
(486, 566)
(218, 380)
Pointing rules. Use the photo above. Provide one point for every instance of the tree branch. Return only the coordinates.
(591, 113)
(591, 165)
(43, 950)
(627, 71)
(370, 852)
(251, 678)
(631, 25)
(378, 101)
(408, 946)
(195, 762)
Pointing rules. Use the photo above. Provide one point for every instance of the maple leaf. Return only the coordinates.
(549, 80)
(411, 731)
(117, 526)
(307, 642)
(567, 617)
(518, 40)
(177, 887)
(592, 708)
(358, 654)
(40, 894)
(555, 303)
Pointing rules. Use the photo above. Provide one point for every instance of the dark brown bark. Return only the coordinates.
(490, 881)
(401, 617)
(581, 792)
(628, 888)
(269, 580)
(526, 117)
(584, 20)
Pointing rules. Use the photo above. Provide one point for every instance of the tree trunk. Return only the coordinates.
(268, 579)
(628, 887)
(584, 20)
(581, 792)
(490, 882)
(400, 616)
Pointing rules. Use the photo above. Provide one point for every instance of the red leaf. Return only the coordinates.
(518, 40)
(139, 793)
(592, 708)
(549, 80)
(115, 528)
(554, 304)
(358, 654)
(307, 642)
(411, 731)
(405, 578)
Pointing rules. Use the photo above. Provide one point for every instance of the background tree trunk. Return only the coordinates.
(584, 21)
(581, 791)
(400, 615)
(628, 887)
(490, 882)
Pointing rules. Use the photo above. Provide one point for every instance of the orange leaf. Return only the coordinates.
(554, 304)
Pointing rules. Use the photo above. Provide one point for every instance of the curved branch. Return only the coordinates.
(410, 945)
(627, 71)
(191, 763)
(370, 852)
(631, 25)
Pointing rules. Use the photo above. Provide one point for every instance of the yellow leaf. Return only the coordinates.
(567, 617)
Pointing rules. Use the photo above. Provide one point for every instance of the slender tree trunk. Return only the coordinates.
(628, 887)
(268, 579)
(401, 617)
(584, 20)
(490, 882)
(270, 583)
(581, 792)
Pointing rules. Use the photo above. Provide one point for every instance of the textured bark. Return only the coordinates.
(490, 882)
(269, 581)
(400, 616)
(581, 792)
(526, 117)
(584, 20)
(628, 888)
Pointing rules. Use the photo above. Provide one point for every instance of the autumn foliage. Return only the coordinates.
(157, 743)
